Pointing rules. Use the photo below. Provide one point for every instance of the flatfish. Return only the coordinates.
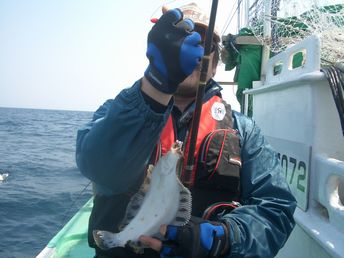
(162, 199)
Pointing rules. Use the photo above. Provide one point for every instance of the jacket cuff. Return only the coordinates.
(234, 236)
(135, 94)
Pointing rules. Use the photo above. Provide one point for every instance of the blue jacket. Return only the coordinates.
(113, 150)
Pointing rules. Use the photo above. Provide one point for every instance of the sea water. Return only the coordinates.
(44, 188)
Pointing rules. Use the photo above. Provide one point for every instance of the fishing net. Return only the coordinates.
(288, 22)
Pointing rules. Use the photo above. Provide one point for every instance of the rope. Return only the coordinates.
(64, 219)
(230, 20)
(335, 77)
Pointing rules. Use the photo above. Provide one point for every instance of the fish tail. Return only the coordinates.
(105, 239)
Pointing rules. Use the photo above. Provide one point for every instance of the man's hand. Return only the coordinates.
(199, 238)
(174, 50)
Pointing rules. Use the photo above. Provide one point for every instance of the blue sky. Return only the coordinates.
(76, 54)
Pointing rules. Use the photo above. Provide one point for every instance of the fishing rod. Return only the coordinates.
(188, 180)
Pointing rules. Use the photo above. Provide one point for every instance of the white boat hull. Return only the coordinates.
(296, 111)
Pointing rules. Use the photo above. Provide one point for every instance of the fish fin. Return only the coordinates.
(135, 202)
(185, 204)
(104, 239)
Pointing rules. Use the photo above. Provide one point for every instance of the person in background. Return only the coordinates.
(234, 162)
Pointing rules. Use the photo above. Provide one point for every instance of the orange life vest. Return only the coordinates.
(216, 173)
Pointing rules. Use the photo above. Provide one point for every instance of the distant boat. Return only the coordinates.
(3, 176)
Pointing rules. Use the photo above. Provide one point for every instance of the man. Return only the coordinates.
(233, 160)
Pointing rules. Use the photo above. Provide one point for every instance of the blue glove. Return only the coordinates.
(199, 238)
(173, 51)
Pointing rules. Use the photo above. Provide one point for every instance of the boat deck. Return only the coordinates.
(71, 241)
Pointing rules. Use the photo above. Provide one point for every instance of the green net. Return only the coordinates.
(247, 60)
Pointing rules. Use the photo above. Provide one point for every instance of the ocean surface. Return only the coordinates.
(44, 188)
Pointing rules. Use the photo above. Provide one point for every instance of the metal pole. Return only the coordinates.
(187, 175)
(238, 15)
